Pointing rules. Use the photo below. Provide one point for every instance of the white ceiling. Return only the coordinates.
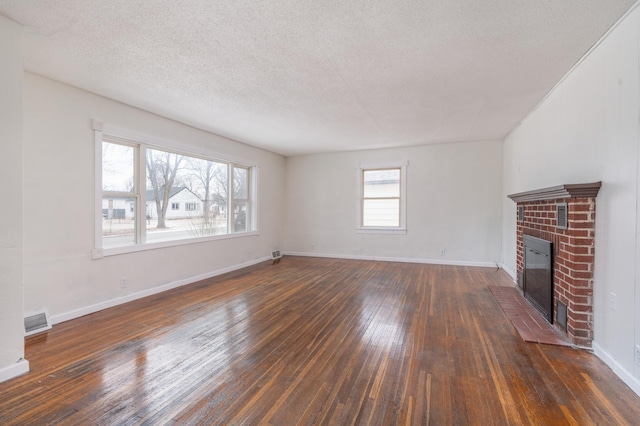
(309, 76)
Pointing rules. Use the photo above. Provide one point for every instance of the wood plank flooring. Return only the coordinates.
(313, 341)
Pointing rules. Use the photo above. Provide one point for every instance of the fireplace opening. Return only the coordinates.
(538, 274)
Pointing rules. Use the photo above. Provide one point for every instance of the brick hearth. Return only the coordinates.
(573, 250)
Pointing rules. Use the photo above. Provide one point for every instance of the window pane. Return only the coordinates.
(219, 199)
(117, 167)
(118, 221)
(240, 217)
(166, 197)
(381, 213)
(381, 183)
(206, 180)
(194, 191)
(240, 183)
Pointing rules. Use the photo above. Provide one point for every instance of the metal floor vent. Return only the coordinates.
(275, 257)
(36, 322)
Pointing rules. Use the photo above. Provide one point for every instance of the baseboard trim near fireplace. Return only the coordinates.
(620, 371)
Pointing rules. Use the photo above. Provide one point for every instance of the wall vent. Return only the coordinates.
(561, 315)
(520, 213)
(561, 216)
(276, 256)
(36, 322)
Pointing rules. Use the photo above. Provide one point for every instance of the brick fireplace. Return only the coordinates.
(565, 216)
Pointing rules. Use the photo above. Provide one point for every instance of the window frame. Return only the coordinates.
(402, 227)
(140, 142)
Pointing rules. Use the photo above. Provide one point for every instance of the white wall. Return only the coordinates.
(453, 202)
(11, 240)
(59, 273)
(585, 131)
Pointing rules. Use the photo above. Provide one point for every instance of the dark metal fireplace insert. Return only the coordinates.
(538, 274)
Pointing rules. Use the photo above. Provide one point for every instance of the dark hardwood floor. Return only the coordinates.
(313, 341)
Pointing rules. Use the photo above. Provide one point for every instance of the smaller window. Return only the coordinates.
(175, 206)
(382, 200)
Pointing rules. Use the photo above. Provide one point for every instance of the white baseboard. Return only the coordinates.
(18, 369)
(76, 313)
(395, 259)
(620, 371)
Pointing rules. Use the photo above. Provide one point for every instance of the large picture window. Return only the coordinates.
(382, 200)
(150, 194)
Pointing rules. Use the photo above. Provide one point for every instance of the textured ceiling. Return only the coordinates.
(302, 76)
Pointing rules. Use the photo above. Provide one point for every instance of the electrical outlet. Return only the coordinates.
(638, 355)
(124, 282)
(613, 302)
(441, 252)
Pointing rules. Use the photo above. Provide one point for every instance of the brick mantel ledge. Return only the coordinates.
(575, 190)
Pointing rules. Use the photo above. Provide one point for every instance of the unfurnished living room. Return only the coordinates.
(294, 212)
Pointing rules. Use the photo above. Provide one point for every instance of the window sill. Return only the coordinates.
(392, 231)
(114, 251)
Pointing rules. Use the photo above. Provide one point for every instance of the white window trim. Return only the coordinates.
(399, 230)
(100, 129)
